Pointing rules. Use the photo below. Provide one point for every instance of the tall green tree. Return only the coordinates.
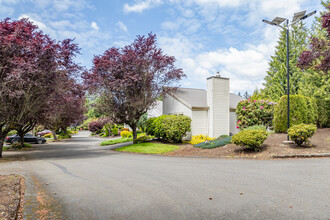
(275, 85)
(316, 61)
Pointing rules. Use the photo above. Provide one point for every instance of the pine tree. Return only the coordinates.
(246, 95)
(239, 94)
(276, 79)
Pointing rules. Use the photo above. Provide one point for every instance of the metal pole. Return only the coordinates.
(287, 71)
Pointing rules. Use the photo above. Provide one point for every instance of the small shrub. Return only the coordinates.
(323, 113)
(196, 139)
(125, 134)
(64, 135)
(300, 133)
(12, 132)
(218, 142)
(114, 131)
(19, 146)
(302, 110)
(250, 138)
(142, 139)
(49, 135)
(95, 126)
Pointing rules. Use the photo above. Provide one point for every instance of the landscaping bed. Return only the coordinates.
(273, 145)
(11, 196)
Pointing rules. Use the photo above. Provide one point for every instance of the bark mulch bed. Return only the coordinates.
(11, 196)
(272, 147)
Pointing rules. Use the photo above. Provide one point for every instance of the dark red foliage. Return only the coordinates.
(95, 126)
(31, 68)
(318, 58)
(130, 79)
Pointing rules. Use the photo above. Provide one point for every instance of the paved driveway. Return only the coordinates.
(92, 182)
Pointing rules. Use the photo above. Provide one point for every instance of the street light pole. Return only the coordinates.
(288, 73)
(299, 16)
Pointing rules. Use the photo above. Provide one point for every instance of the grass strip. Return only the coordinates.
(148, 148)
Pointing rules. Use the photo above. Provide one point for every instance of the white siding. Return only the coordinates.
(218, 101)
(156, 111)
(173, 106)
(233, 128)
(199, 122)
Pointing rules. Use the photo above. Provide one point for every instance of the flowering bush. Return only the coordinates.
(254, 112)
(196, 139)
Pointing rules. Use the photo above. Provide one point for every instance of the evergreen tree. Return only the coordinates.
(246, 95)
(276, 78)
(316, 78)
(239, 94)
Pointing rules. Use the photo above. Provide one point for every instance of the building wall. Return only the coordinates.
(218, 102)
(232, 121)
(173, 106)
(156, 111)
(199, 123)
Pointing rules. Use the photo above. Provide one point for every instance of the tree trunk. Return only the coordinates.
(54, 135)
(2, 140)
(21, 137)
(134, 132)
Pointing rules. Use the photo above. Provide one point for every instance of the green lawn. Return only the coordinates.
(148, 148)
(9, 147)
(116, 141)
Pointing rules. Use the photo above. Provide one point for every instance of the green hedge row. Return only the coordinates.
(171, 128)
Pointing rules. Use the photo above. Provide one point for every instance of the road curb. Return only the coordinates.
(301, 155)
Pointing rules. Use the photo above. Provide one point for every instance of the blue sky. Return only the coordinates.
(205, 36)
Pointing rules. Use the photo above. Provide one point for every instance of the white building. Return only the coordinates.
(212, 110)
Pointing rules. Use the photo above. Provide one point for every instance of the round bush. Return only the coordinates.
(300, 133)
(254, 112)
(95, 126)
(302, 110)
(125, 134)
(171, 128)
(252, 138)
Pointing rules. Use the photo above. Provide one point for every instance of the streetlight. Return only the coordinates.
(299, 16)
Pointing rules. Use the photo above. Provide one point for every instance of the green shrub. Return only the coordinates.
(114, 131)
(125, 134)
(218, 142)
(323, 113)
(12, 132)
(171, 128)
(252, 138)
(300, 133)
(256, 127)
(64, 135)
(254, 112)
(49, 135)
(19, 146)
(142, 139)
(86, 122)
(302, 110)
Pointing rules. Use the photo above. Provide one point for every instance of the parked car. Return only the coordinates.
(42, 133)
(27, 138)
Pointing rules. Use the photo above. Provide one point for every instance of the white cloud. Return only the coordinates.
(122, 26)
(94, 26)
(141, 5)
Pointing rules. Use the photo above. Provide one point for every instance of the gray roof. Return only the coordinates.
(197, 98)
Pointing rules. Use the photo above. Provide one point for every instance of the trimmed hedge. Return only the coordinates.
(300, 133)
(302, 110)
(323, 117)
(171, 128)
(218, 142)
(252, 138)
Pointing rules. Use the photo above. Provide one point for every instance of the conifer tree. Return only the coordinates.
(276, 78)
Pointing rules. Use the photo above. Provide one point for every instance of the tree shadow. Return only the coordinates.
(244, 150)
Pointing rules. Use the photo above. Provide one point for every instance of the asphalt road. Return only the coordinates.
(93, 182)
